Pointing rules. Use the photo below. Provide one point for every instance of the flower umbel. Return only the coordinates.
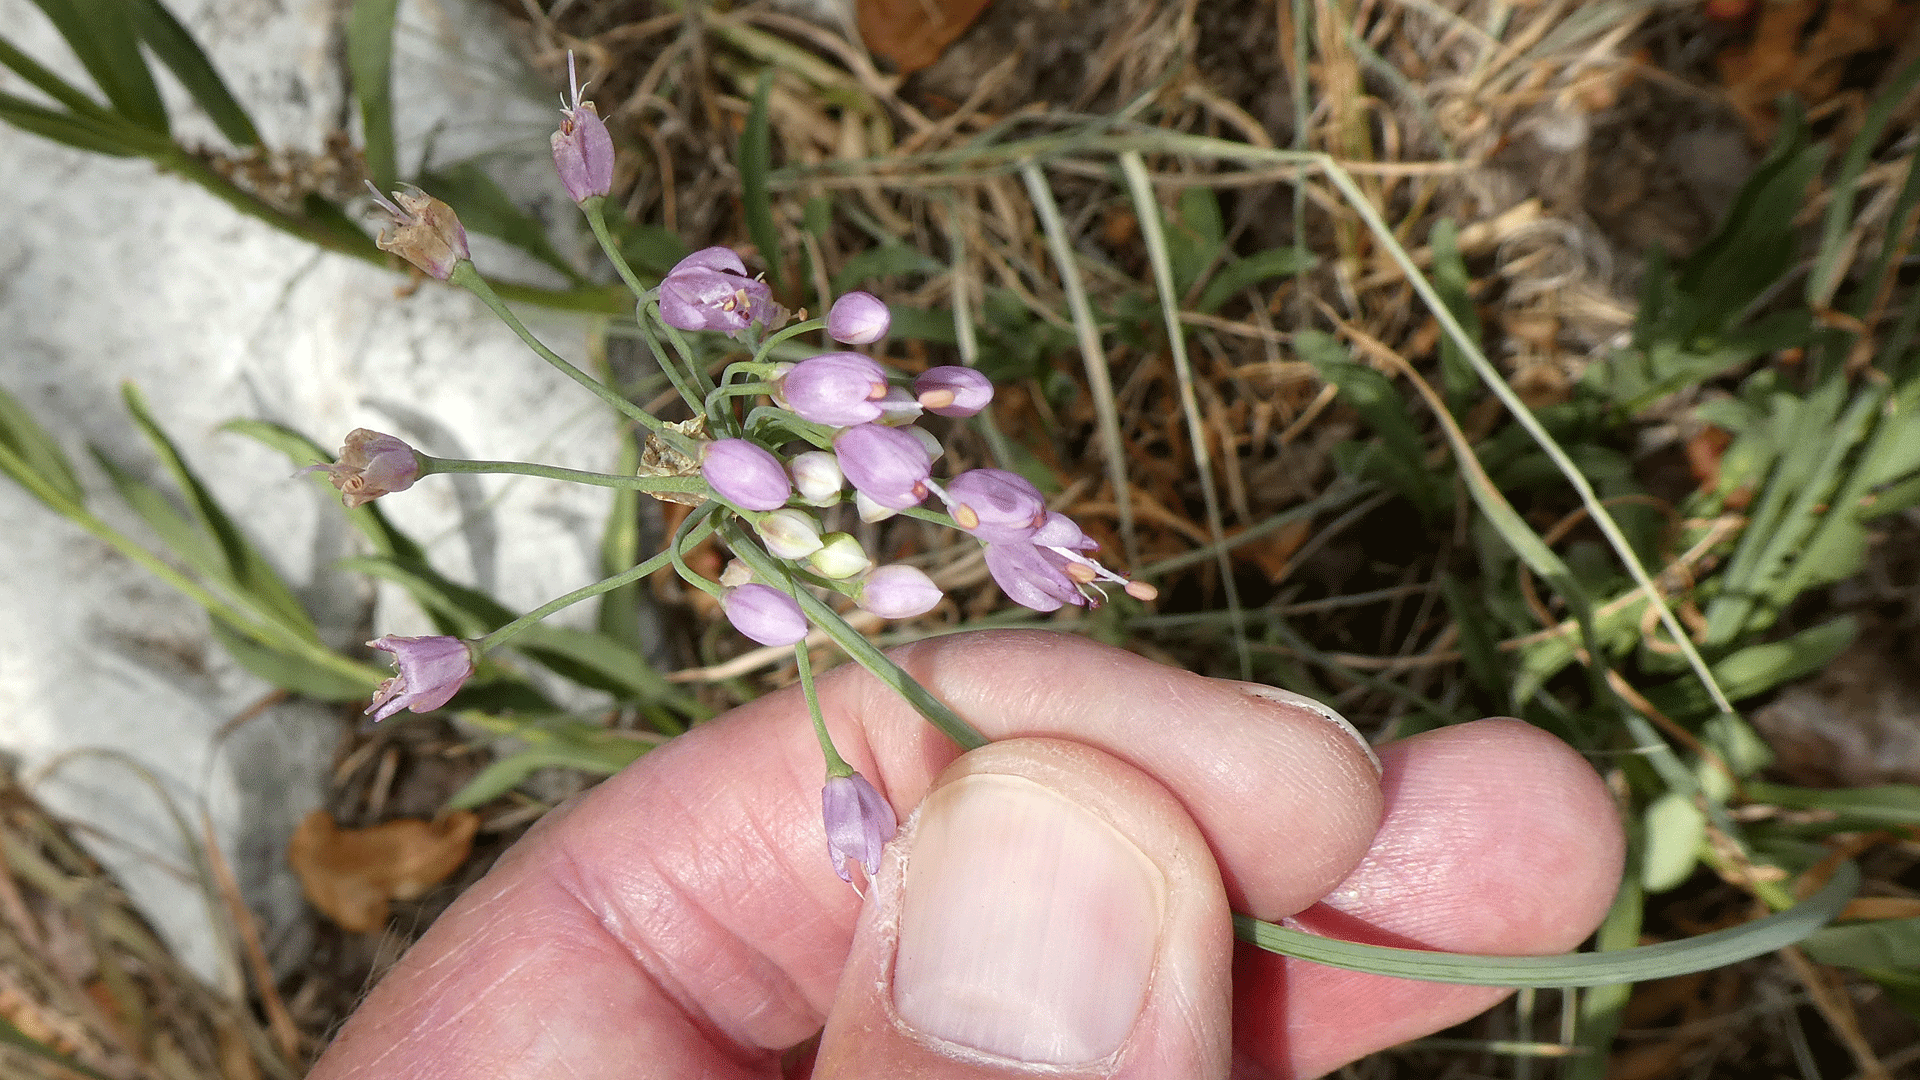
(371, 465)
(859, 823)
(582, 148)
(427, 233)
(431, 671)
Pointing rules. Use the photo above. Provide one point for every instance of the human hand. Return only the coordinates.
(1062, 898)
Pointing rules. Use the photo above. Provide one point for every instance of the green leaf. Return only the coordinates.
(1401, 459)
(52, 85)
(563, 746)
(246, 570)
(100, 33)
(1478, 645)
(1829, 266)
(39, 456)
(289, 672)
(1674, 829)
(1640, 964)
(177, 49)
(1453, 283)
(370, 63)
(1245, 273)
(756, 164)
(886, 260)
(1759, 668)
(454, 608)
(599, 661)
(1886, 943)
(64, 128)
(1889, 805)
(650, 249)
(485, 208)
(20, 1040)
(1196, 239)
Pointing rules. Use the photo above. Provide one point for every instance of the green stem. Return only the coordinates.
(685, 350)
(730, 390)
(683, 538)
(596, 217)
(691, 484)
(783, 334)
(506, 633)
(855, 644)
(836, 765)
(691, 391)
(469, 278)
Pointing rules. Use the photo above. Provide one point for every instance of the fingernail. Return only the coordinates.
(1288, 697)
(1028, 926)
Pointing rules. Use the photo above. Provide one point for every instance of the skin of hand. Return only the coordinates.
(1058, 904)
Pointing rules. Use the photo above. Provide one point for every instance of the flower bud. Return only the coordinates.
(764, 614)
(816, 475)
(870, 511)
(858, 318)
(885, 464)
(859, 822)
(953, 391)
(995, 505)
(427, 233)
(840, 557)
(371, 465)
(789, 534)
(746, 474)
(710, 290)
(898, 591)
(736, 574)
(928, 440)
(582, 148)
(430, 671)
(838, 389)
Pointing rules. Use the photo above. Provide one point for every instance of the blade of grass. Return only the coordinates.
(66, 129)
(1092, 354)
(102, 37)
(1830, 266)
(182, 55)
(1147, 212)
(370, 63)
(756, 162)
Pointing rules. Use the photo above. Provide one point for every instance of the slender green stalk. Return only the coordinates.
(685, 350)
(431, 465)
(507, 633)
(836, 765)
(596, 217)
(690, 389)
(783, 334)
(683, 538)
(468, 278)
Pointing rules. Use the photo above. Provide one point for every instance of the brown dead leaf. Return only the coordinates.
(911, 34)
(1704, 451)
(1803, 47)
(351, 875)
(1273, 553)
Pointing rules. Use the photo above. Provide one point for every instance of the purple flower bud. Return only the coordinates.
(710, 290)
(582, 149)
(431, 670)
(1030, 578)
(816, 475)
(885, 464)
(371, 465)
(765, 614)
(746, 474)
(858, 318)
(953, 391)
(838, 389)
(789, 534)
(840, 556)
(995, 505)
(898, 591)
(859, 823)
(427, 234)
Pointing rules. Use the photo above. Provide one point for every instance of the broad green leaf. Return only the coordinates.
(1759, 668)
(1401, 458)
(1889, 805)
(370, 63)
(1245, 273)
(1674, 829)
(756, 164)
(484, 208)
(247, 570)
(455, 609)
(1195, 240)
(288, 671)
(102, 35)
(177, 49)
(1886, 943)
(36, 451)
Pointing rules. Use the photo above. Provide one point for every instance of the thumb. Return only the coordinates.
(1046, 905)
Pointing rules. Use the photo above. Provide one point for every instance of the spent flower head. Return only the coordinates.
(582, 148)
(370, 465)
(427, 232)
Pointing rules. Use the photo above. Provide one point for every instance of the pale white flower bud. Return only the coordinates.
(789, 534)
(840, 557)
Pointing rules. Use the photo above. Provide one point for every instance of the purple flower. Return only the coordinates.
(765, 614)
(431, 670)
(953, 391)
(427, 233)
(859, 823)
(885, 464)
(710, 290)
(1030, 578)
(371, 465)
(858, 318)
(995, 505)
(838, 389)
(582, 149)
(746, 474)
(898, 591)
